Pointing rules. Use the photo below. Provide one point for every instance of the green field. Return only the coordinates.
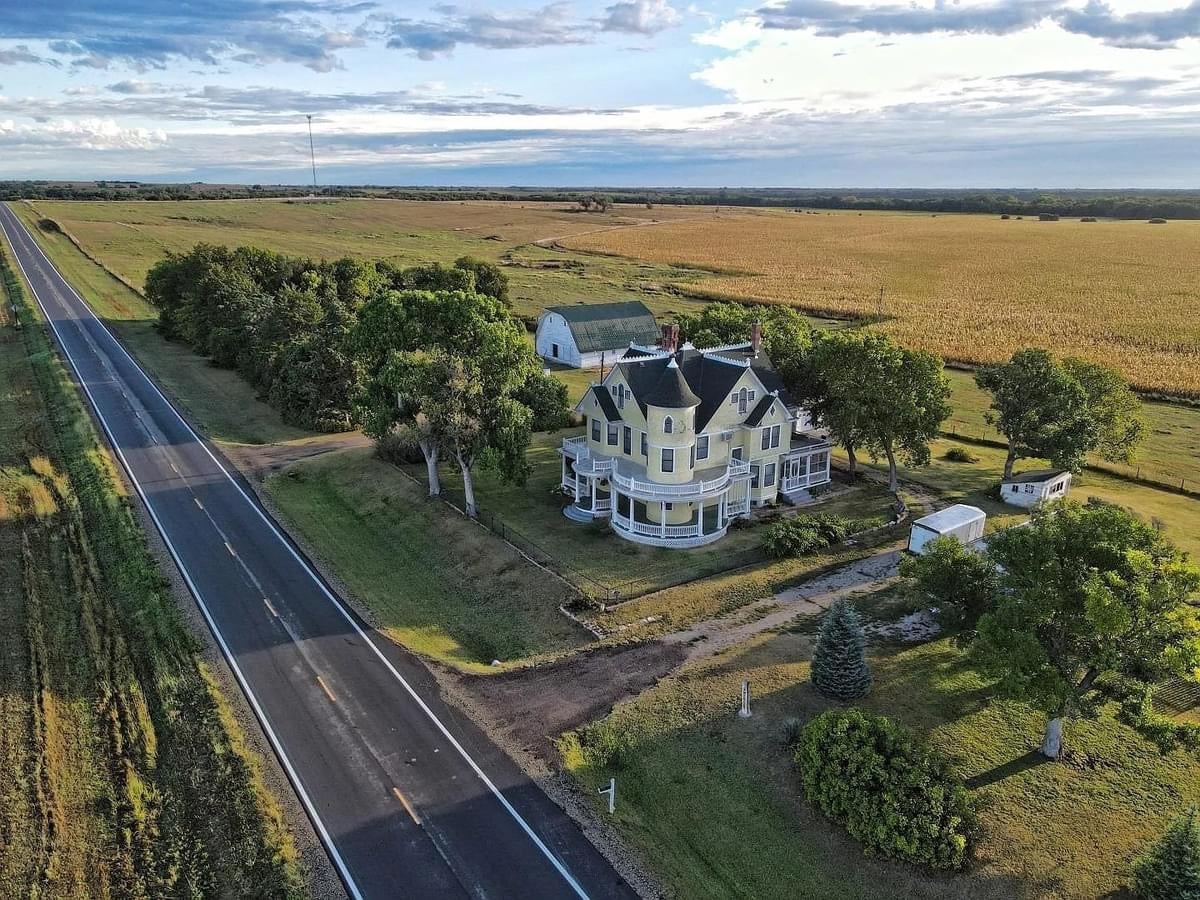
(125, 774)
(713, 801)
(432, 580)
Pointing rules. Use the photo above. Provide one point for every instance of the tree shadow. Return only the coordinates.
(1024, 763)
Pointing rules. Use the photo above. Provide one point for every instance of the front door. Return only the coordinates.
(627, 444)
(736, 452)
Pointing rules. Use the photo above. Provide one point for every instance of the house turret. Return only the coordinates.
(671, 426)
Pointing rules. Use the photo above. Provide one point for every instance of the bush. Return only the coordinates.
(839, 665)
(798, 535)
(1158, 221)
(1088, 219)
(1170, 868)
(1047, 217)
(893, 794)
(959, 582)
(49, 226)
(960, 455)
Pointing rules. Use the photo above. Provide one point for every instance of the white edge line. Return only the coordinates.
(258, 710)
(558, 865)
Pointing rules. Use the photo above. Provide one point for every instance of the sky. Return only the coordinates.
(804, 93)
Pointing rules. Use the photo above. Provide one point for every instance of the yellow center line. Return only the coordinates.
(325, 688)
(407, 806)
(270, 608)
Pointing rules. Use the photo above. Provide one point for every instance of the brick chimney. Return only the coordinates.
(670, 337)
(756, 336)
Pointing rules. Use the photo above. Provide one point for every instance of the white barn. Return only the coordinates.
(965, 523)
(1028, 489)
(582, 334)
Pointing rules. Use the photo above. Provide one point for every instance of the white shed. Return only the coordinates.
(1031, 488)
(959, 521)
(581, 334)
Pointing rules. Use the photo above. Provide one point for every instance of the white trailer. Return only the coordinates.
(962, 522)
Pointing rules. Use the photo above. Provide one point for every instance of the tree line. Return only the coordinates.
(429, 356)
(1083, 203)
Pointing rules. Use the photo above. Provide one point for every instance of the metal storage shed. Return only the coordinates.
(959, 521)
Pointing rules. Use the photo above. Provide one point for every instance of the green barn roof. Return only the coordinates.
(609, 326)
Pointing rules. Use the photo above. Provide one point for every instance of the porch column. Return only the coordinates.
(564, 474)
(577, 478)
(662, 518)
(700, 521)
(721, 511)
(594, 480)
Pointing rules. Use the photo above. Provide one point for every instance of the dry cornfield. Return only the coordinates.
(971, 288)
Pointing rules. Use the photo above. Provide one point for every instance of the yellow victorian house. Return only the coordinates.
(681, 441)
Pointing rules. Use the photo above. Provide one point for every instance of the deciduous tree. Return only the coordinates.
(959, 581)
(1060, 410)
(1086, 591)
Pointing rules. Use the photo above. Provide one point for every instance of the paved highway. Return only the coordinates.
(409, 797)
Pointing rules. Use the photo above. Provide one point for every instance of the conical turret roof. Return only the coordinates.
(672, 390)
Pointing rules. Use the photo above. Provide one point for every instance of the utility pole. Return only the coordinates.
(312, 155)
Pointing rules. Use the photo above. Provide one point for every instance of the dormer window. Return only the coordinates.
(668, 425)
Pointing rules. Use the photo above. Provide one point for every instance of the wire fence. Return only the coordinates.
(974, 433)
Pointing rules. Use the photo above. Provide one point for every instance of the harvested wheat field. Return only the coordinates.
(971, 288)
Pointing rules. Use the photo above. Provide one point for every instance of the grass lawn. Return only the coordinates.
(712, 800)
(218, 400)
(1178, 514)
(595, 558)
(435, 582)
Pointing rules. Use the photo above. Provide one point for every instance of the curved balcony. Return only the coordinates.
(656, 535)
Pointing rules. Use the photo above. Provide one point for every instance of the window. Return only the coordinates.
(613, 430)
(736, 453)
(613, 388)
(770, 437)
(769, 475)
(668, 425)
(621, 396)
(1013, 488)
(668, 507)
(645, 449)
(742, 399)
(1029, 488)
(753, 476)
(668, 460)
(596, 430)
(692, 457)
(702, 447)
(627, 443)
(554, 350)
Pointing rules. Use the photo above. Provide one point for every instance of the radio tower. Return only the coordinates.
(312, 155)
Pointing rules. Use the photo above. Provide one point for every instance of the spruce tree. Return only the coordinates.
(1170, 868)
(839, 667)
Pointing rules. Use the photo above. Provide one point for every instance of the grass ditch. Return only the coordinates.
(127, 774)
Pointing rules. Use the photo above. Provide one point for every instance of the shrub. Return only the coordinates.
(1088, 219)
(960, 455)
(1170, 868)
(1006, 216)
(1158, 221)
(839, 665)
(798, 535)
(960, 582)
(49, 226)
(891, 792)
(1047, 217)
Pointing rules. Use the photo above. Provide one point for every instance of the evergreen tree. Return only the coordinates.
(1170, 869)
(839, 667)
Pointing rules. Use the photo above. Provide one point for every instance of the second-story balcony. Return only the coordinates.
(631, 478)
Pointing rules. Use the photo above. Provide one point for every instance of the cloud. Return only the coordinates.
(135, 87)
(85, 134)
(647, 17)
(22, 54)
(1096, 19)
(151, 34)
(550, 25)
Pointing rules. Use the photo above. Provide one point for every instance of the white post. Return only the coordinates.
(594, 480)
(577, 478)
(700, 521)
(611, 790)
(744, 712)
(662, 520)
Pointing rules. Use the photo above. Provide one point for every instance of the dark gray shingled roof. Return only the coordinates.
(609, 326)
(760, 410)
(672, 390)
(607, 405)
(709, 379)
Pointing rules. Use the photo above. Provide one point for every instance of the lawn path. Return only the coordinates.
(813, 597)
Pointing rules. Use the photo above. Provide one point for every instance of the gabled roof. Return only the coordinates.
(760, 410)
(672, 390)
(607, 406)
(710, 375)
(608, 326)
(1034, 476)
